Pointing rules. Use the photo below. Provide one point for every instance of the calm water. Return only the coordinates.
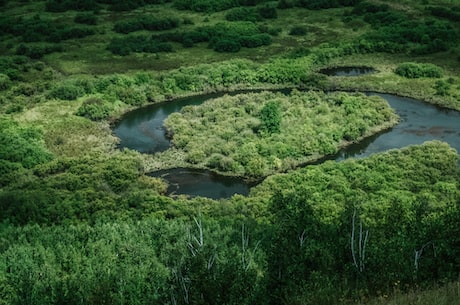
(347, 71)
(143, 130)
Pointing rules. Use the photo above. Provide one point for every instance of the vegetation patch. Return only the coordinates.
(261, 133)
(417, 70)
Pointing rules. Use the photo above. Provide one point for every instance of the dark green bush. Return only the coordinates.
(5, 82)
(37, 51)
(227, 45)
(255, 41)
(22, 145)
(66, 5)
(205, 5)
(243, 14)
(86, 18)
(66, 92)
(95, 109)
(417, 70)
(444, 12)
(268, 12)
(70, 33)
(298, 30)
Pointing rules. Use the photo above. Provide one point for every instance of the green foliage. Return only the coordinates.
(418, 37)
(37, 51)
(298, 30)
(257, 134)
(444, 12)
(36, 29)
(227, 45)
(94, 108)
(65, 5)
(5, 82)
(21, 145)
(417, 70)
(314, 210)
(66, 92)
(270, 117)
(149, 23)
(243, 14)
(86, 18)
(204, 5)
(442, 87)
(406, 199)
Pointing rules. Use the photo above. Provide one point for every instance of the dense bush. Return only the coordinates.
(227, 45)
(444, 12)
(23, 146)
(65, 5)
(205, 5)
(5, 82)
(243, 14)
(70, 33)
(66, 92)
(298, 30)
(327, 228)
(255, 41)
(86, 18)
(395, 28)
(37, 51)
(149, 23)
(95, 108)
(417, 70)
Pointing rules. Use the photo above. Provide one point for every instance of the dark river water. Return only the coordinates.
(143, 130)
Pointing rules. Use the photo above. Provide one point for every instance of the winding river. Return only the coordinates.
(143, 130)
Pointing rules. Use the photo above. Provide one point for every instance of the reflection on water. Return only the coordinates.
(195, 182)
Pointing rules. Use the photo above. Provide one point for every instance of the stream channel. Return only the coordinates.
(143, 130)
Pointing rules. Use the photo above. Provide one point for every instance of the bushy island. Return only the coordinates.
(82, 223)
(258, 134)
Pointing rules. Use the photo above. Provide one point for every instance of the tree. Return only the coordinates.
(270, 117)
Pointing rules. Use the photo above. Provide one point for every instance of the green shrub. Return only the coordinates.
(66, 92)
(268, 12)
(65, 5)
(442, 87)
(22, 145)
(298, 30)
(5, 82)
(86, 18)
(95, 109)
(255, 41)
(37, 51)
(227, 45)
(243, 14)
(270, 117)
(417, 70)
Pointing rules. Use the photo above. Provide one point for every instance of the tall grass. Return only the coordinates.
(445, 295)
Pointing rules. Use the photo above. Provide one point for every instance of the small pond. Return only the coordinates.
(195, 182)
(347, 71)
(143, 130)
